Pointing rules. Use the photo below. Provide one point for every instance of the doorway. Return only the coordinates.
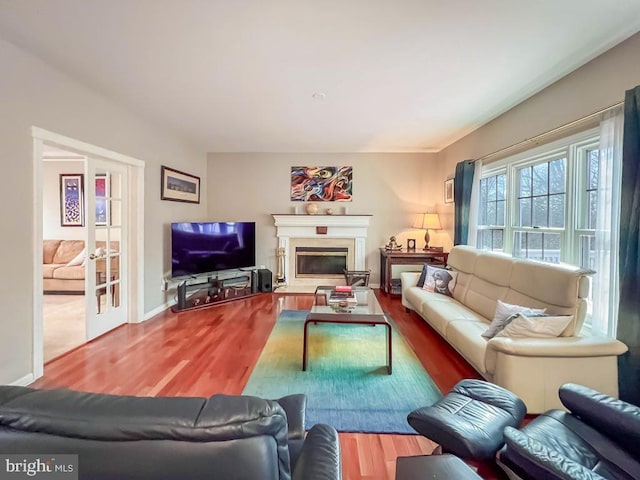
(112, 255)
(64, 257)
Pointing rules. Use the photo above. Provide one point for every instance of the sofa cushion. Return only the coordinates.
(69, 273)
(67, 251)
(466, 337)
(48, 269)
(49, 248)
(441, 310)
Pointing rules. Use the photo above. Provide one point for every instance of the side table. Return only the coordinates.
(389, 258)
(434, 467)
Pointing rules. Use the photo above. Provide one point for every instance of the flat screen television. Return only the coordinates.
(204, 247)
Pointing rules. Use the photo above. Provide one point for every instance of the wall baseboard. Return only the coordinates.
(24, 381)
(159, 309)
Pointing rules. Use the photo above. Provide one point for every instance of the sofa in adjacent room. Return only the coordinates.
(531, 366)
(150, 438)
(63, 265)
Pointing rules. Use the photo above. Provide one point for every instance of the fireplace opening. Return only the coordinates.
(327, 262)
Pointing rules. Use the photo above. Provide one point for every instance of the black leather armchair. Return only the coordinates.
(144, 438)
(599, 438)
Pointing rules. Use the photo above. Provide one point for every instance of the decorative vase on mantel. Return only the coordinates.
(312, 208)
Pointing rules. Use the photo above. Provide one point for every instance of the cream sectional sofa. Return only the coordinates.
(532, 368)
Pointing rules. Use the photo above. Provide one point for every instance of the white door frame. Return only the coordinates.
(135, 262)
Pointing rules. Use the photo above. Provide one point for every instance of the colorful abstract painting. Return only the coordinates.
(321, 184)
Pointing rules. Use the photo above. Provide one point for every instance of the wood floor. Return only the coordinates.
(214, 350)
(63, 324)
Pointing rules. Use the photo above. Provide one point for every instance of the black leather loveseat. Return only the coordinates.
(144, 438)
(598, 438)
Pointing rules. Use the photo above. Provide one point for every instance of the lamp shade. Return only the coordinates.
(426, 221)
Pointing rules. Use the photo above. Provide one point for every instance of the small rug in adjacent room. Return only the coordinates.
(346, 381)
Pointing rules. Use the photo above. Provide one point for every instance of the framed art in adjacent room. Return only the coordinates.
(101, 198)
(448, 191)
(179, 186)
(71, 200)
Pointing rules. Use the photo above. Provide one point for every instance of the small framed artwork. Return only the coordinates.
(448, 191)
(411, 244)
(179, 186)
(71, 200)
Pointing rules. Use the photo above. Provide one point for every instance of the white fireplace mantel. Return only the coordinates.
(292, 226)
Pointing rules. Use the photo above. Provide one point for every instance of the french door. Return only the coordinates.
(106, 274)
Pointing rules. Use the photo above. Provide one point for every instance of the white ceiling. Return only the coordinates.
(397, 76)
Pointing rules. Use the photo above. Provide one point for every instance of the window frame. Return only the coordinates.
(573, 148)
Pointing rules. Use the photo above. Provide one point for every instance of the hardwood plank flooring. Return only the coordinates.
(214, 350)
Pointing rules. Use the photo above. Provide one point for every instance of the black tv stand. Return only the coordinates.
(214, 291)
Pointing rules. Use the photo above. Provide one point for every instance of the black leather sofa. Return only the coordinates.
(144, 438)
(598, 438)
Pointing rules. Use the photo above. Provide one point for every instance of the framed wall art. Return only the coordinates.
(321, 184)
(71, 200)
(448, 191)
(179, 186)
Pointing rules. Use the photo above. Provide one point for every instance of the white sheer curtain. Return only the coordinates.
(472, 239)
(605, 281)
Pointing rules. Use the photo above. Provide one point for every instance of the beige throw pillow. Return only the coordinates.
(535, 327)
(503, 314)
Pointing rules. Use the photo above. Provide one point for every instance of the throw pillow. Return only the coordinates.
(544, 326)
(440, 280)
(423, 275)
(78, 259)
(503, 314)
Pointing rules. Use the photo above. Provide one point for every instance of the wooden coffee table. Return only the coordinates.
(366, 312)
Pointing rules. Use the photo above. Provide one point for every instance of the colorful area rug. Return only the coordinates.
(346, 381)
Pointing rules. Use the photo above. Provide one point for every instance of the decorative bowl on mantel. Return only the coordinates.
(312, 208)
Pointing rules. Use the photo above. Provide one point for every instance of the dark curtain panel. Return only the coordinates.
(462, 184)
(629, 307)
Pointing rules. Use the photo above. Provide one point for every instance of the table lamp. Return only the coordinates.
(426, 221)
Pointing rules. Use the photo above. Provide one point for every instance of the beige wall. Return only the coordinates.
(391, 187)
(34, 94)
(598, 84)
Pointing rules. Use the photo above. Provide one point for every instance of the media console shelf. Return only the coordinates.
(215, 291)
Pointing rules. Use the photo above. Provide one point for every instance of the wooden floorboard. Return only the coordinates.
(214, 350)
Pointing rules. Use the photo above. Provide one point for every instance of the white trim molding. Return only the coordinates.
(290, 229)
